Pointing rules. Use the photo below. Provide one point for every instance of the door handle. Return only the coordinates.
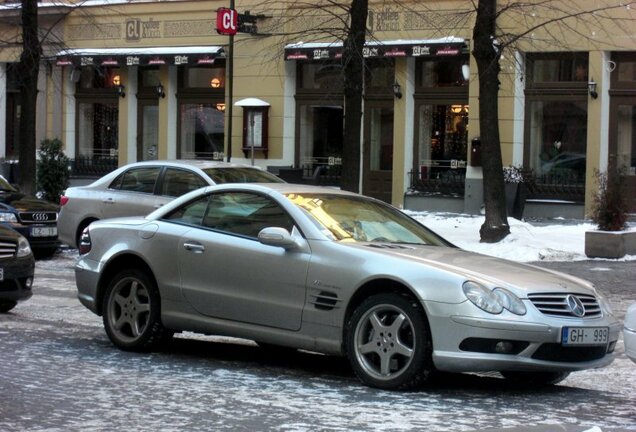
(194, 247)
(108, 201)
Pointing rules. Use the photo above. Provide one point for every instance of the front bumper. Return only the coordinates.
(465, 340)
(17, 279)
(38, 242)
(87, 274)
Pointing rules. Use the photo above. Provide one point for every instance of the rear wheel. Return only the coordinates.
(132, 312)
(535, 379)
(388, 342)
(6, 306)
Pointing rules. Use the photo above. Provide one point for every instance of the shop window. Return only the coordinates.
(442, 72)
(379, 75)
(557, 140)
(201, 131)
(204, 77)
(442, 136)
(96, 77)
(149, 78)
(320, 137)
(98, 129)
(557, 68)
(325, 75)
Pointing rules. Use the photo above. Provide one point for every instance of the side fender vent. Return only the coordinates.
(325, 300)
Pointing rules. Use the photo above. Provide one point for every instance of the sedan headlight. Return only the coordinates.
(482, 297)
(24, 249)
(494, 301)
(510, 301)
(604, 304)
(8, 217)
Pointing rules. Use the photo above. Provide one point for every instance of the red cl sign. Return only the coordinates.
(226, 21)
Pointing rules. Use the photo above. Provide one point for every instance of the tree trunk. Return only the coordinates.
(487, 55)
(353, 63)
(29, 68)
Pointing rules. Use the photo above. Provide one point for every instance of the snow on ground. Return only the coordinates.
(556, 240)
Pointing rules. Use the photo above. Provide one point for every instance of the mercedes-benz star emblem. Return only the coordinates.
(575, 305)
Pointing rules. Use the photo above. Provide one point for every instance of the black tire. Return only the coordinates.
(132, 312)
(43, 253)
(534, 379)
(6, 306)
(388, 342)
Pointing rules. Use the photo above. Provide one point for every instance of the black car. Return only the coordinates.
(16, 269)
(34, 218)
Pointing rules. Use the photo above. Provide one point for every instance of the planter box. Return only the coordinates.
(610, 244)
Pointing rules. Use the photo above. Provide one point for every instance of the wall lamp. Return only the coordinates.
(160, 92)
(121, 90)
(397, 90)
(591, 87)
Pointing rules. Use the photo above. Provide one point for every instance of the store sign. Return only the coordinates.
(226, 21)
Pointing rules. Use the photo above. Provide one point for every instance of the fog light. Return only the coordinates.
(29, 283)
(503, 347)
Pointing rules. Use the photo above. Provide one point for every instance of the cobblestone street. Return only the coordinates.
(59, 372)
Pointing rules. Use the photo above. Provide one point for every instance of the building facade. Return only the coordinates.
(142, 80)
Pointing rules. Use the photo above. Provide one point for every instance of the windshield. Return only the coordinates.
(5, 186)
(241, 175)
(357, 219)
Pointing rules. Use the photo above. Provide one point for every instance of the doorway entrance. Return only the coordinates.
(377, 168)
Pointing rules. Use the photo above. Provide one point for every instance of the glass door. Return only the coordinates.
(378, 150)
(148, 135)
(622, 138)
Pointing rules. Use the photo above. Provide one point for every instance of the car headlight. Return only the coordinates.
(604, 304)
(494, 301)
(482, 297)
(24, 249)
(8, 217)
(510, 301)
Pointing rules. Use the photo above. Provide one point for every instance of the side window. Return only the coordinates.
(191, 213)
(137, 180)
(177, 182)
(245, 214)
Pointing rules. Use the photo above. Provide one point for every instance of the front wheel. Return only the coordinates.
(132, 312)
(388, 342)
(535, 379)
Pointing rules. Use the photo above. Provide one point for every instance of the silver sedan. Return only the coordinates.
(139, 188)
(334, 272)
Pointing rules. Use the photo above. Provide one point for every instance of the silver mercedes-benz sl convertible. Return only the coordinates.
(338, 273)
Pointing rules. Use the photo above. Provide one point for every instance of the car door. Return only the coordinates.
(227, 273)
(132, 193)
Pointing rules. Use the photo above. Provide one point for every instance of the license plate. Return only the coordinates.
(584, 336)
(43, 231)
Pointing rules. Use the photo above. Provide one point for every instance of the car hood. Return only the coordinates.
(519, 278)
(22, 202)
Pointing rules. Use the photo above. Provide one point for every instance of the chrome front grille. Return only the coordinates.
(7, 249)
(38, 217)
(563, 304)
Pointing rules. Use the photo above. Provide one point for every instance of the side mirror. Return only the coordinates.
(279, 237)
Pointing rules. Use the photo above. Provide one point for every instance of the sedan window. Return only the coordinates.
(177, 182)
(137, 180)
(244, 214)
